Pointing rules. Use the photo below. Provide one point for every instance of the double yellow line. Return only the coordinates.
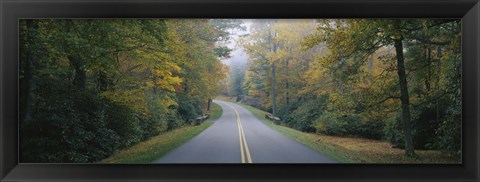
(243, 141)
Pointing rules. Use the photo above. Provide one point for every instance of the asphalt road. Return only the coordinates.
(239, 137)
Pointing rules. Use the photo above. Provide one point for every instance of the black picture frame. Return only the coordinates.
(12, 10)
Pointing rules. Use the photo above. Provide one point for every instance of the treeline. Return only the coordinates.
(392, 79)
(91, 87)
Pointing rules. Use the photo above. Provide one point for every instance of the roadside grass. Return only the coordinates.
(157, 146)
(361, 150)
(351, 149)
(215, 112)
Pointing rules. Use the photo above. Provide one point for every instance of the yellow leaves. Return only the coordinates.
(176, 47)
(164, 78)
(169, 83)
(278, 56)
(341, 103)
(277, 40)
(130, 97)
(190, 65)
(172, 66)
(167, 102)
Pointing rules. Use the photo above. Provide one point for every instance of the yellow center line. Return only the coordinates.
(241, 145)
(243, 140)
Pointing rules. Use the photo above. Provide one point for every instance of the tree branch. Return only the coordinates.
(426, 41)
(383, 100)
(433, 99)
(440, 22)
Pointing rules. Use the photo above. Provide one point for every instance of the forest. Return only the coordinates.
(89, 87)
(397, 80)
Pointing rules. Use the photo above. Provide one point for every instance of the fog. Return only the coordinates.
(238, 56)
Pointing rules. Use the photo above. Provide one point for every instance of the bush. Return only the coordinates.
(254, 101)
(425, 131)
(124, 122)
(80, 127)
(68, 127)
(331, 123)
(393, 132)
(449, 135)
(303, 115)
(188, 109)
(449, 132)
(371, 129)
(155, 120)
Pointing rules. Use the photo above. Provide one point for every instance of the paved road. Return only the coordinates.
(239, 137)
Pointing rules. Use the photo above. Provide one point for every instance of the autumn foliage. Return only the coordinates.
(91, 87)
(387, 79)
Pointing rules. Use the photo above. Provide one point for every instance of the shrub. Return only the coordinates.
(331, 123)
(371, 129)
(449, 132)
(67, 127)
(449, 135)
(124, 121)
(80, 126)
(394, 132)
(254, 101)
(303, 116)
(188, 109)
(427, 124)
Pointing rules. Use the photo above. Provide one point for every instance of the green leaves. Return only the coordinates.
(90, 87)
(353, 63)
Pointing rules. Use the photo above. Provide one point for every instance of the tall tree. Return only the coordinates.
(362, 39)
(102, 85)
(261, 44)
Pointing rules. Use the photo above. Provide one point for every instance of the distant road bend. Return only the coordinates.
(239, 137)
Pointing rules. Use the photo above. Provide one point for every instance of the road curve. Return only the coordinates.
(239, 137)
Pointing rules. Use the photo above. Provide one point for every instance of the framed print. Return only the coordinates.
(239, 90)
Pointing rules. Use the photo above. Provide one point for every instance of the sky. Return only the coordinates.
(238, 55)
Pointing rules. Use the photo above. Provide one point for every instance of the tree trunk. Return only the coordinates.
(437, 80)
(340, 76)
(274, 49)
(427, 65)
(209, 104)
(404, 97)
(77, 63)
(185, 86)
(28, 83)
(80, 76)
(287, 85)
(102, 81)
(273, 90)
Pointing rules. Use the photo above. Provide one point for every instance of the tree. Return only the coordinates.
(91, 87)
(355, 45)
(261, 44)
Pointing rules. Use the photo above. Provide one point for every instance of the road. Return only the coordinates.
(239, 137)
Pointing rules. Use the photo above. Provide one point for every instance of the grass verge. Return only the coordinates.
(215, 112)
(351, 149)
(154, 148)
